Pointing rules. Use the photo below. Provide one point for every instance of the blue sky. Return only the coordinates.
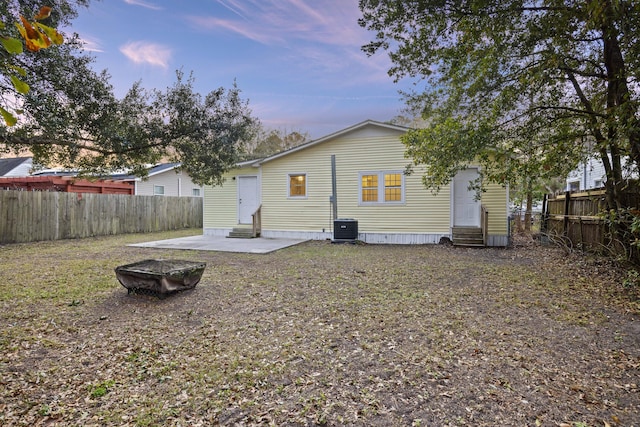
(298, 62)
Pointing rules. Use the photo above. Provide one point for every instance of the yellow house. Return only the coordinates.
(357, 177)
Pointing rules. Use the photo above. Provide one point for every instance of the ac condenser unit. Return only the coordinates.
(345, 230)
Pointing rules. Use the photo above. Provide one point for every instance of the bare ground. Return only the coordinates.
(319, 334)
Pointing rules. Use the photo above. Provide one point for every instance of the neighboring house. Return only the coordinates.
(163, 180)
(17, 166)
(590, 174)
(291, 194)
(66, 184)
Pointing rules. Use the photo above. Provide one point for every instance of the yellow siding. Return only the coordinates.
(495, 201)
(369, 149)
(356, 152)
(221, 203)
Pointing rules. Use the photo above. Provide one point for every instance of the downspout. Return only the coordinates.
(334, 187)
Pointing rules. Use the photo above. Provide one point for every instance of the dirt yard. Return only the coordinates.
(318, 334)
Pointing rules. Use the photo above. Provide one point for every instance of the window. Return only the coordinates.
(158, 190)
(392, 187)
(297, 185)
(369, 188)
(195, 192)
(574, 186)
(598, 183)
(382, 187)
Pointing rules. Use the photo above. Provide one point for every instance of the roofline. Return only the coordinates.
(175, 165)
(248, 163)
(330, 136)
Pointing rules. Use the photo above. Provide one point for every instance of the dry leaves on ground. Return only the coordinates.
(318, 334)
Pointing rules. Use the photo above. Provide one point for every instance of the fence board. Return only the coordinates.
(578, 218)
(28, 216)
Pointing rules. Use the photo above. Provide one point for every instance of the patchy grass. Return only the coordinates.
(318, 334)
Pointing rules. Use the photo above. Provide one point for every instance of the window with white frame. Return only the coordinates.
(297, 185)
(158, 190)
(195, 192)
(381, 187)
(574, 186)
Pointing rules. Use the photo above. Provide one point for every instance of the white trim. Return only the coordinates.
(381, 187)
(452, 196)
(258, 192)
(370, 238)
(306, 185)
(163, 170)
(155, 192)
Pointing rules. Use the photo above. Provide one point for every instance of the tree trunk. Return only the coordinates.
(528, 212)
(518, 219)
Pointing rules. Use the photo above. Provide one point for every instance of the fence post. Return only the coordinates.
(565, 222)
(545, 214)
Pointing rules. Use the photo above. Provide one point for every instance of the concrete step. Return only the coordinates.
(241, 233)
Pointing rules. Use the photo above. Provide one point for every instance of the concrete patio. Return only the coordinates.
(222, 244)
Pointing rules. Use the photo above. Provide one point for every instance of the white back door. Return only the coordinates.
(466, 209)
(247, 198)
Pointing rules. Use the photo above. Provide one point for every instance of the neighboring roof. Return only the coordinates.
(7, 165)
(337, 134)
(53, 172)
(162, 167)
(153, 170)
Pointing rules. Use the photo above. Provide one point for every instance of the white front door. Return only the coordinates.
(466, 209)
(247, 198)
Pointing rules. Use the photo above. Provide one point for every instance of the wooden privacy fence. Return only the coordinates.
(29, 216)
(577, 217)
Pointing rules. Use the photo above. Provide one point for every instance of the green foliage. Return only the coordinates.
(35, 36)
(632, 281)
(623, 226)
(72, 118)
(101, 389)
(527, 89)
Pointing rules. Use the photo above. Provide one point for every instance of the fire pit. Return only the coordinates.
(160, 277)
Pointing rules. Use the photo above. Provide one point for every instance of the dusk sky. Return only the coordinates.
(298, 62)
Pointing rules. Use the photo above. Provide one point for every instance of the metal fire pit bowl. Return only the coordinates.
(160, 277)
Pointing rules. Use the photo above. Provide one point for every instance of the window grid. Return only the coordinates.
(297, 185)
(392, 187)
(382, 187)
(369, 188)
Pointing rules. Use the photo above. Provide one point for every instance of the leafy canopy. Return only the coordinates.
(70, 116)
(524, 86)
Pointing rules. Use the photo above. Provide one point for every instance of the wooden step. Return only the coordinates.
(467, 236)
(241, 233)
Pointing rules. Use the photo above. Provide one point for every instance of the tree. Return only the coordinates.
(70, 116)
(269, 142)
(555, 78)
(205, 134)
